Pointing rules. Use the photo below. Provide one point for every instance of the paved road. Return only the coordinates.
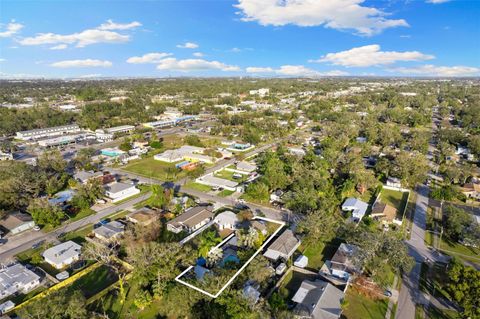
(25, 241)
(419, 251)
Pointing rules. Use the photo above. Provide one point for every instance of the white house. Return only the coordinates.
(394, 182)
(17, 222)
(6, 307)
(191, 220)
(118, 191)
(342, 265)
(17, 278)
(62, 255)
(185, 153)
(226, 220)
(356, 206)
(110, 231)
(48, 132)
(214, 181)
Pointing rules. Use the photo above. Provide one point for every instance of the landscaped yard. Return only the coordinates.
(395, 199)
(149, 167)
(360, 306)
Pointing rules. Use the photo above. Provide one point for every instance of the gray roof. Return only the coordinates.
(14, 277)
(84, 176)
(192, 216)
(318, 300)
(284, 245)
(117, 187)
(15, 219)
(110, 230)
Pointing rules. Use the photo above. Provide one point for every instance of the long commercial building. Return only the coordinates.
(169, 122)
(48, 132)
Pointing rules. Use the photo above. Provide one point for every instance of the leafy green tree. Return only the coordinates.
(463, 286)
(258, 191)
(159, 197)
(45, 214)
(126, 145)
(143, 299)
(57, 305)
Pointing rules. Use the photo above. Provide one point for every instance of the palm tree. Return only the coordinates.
(207, 241)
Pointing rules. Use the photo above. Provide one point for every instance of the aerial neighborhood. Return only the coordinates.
(266, 198)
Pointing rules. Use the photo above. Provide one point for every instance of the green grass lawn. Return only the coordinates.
(82, 214)
(149, 167)
(460, 251)
(94, 282)
(435, 313)
(317, 254)
(79, 235)
(360, 306)
(225, 193)
(229, 175)
(395, 199)
(198, 186)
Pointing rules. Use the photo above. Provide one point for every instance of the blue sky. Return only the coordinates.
(237, 38)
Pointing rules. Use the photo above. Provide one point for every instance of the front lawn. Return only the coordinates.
(149, 167)
(360, 306)
(460, 251)
(198, 186)
(225, 193)
(229, 176)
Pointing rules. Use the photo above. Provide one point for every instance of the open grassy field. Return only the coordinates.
(94, 282)
(198, 186)
(149, 167)
(360, 306)
(317, 254)
(460, 251)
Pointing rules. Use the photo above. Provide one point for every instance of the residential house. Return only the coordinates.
(62, 255)
(85, 176)
(356, 206)
(191, 220)
(246, 167)
(185, 153)
(283, 247)
(226, 220)
(118, 191)
(318, 300)
(143, 216)
(17, 278)
(394, 182)
(343, 264)
(17, 222)
(383, 212)
(110, 231)
(214, 181)
(471, 190)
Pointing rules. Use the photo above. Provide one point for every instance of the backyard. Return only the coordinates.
(229, 176)
(396, 199)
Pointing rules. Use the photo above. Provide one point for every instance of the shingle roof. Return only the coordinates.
(285, 243)
(319, 299)
(192, 216)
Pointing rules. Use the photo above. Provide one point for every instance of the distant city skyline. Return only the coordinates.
(303, 38)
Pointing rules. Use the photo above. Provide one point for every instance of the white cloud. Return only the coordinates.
(154, 57)
(102, 34)
(336, 14)
(194, 64)
(441, 71)
(87, 63)
(2, 60)
(437, 1)
(370, 55)
(11, 29)
(188, 45)
(255, 69)
(294, 70)
(198, 54)
(59, 47)
(110, 25)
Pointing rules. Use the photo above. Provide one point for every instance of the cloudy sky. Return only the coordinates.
(242, 37)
